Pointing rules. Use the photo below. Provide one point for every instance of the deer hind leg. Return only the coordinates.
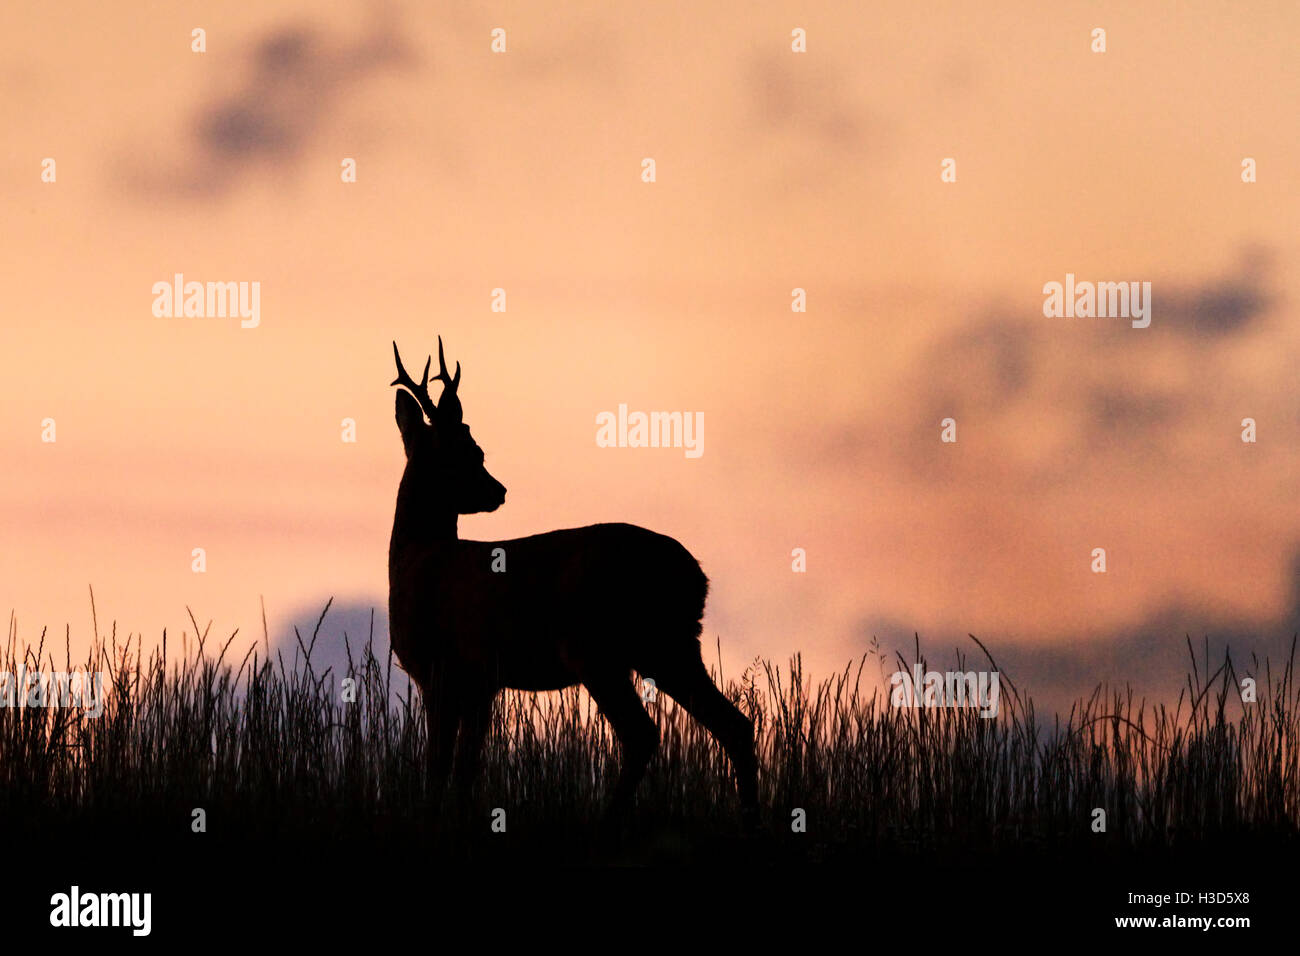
(690, 685)
(638, 737)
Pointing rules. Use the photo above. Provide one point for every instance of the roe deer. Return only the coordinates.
(568, 609)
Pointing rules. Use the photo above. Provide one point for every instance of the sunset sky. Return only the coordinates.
(775, 170)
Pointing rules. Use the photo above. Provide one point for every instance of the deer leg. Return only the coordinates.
(691, 686)
(475, 720)
(638, 737)
(443, 720)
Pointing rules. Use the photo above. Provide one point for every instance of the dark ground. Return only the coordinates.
(532, 887)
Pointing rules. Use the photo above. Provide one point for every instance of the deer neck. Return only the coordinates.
(421, 518)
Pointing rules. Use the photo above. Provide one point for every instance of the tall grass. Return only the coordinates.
(269, 746)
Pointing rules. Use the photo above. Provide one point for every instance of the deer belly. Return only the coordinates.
(537, 674)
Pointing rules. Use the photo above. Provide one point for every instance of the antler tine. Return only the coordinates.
(442, 376)
(421, 391)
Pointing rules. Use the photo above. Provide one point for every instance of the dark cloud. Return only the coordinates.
(1090, 385)
(791, 95)
(1220, 306)
(982, 371)
(991, 358)
(1213, 310)
(1114, 408)
(292, 82)
(347, 626)
(1151, 657)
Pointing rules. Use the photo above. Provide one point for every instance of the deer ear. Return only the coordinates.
(410, 420)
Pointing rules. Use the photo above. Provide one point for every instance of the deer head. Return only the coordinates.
(444, 459)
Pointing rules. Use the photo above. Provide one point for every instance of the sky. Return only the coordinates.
(522, 170)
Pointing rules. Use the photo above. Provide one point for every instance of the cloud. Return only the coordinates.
(1224, 305)
(789, 96)
(292, 82)
(810, 118)
(1151, 656)
(1214, 310)
(1116, 409)
(1047, 395)
(986, 362)
(348, 626)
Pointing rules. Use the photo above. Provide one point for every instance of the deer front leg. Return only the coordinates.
(443, 720)
(475, 720)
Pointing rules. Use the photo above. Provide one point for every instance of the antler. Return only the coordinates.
(451, 383)
(449, 402)
(421, 391)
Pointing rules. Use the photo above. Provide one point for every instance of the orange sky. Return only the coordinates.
(775, 170)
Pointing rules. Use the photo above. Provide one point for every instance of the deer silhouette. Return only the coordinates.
(576, 606)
